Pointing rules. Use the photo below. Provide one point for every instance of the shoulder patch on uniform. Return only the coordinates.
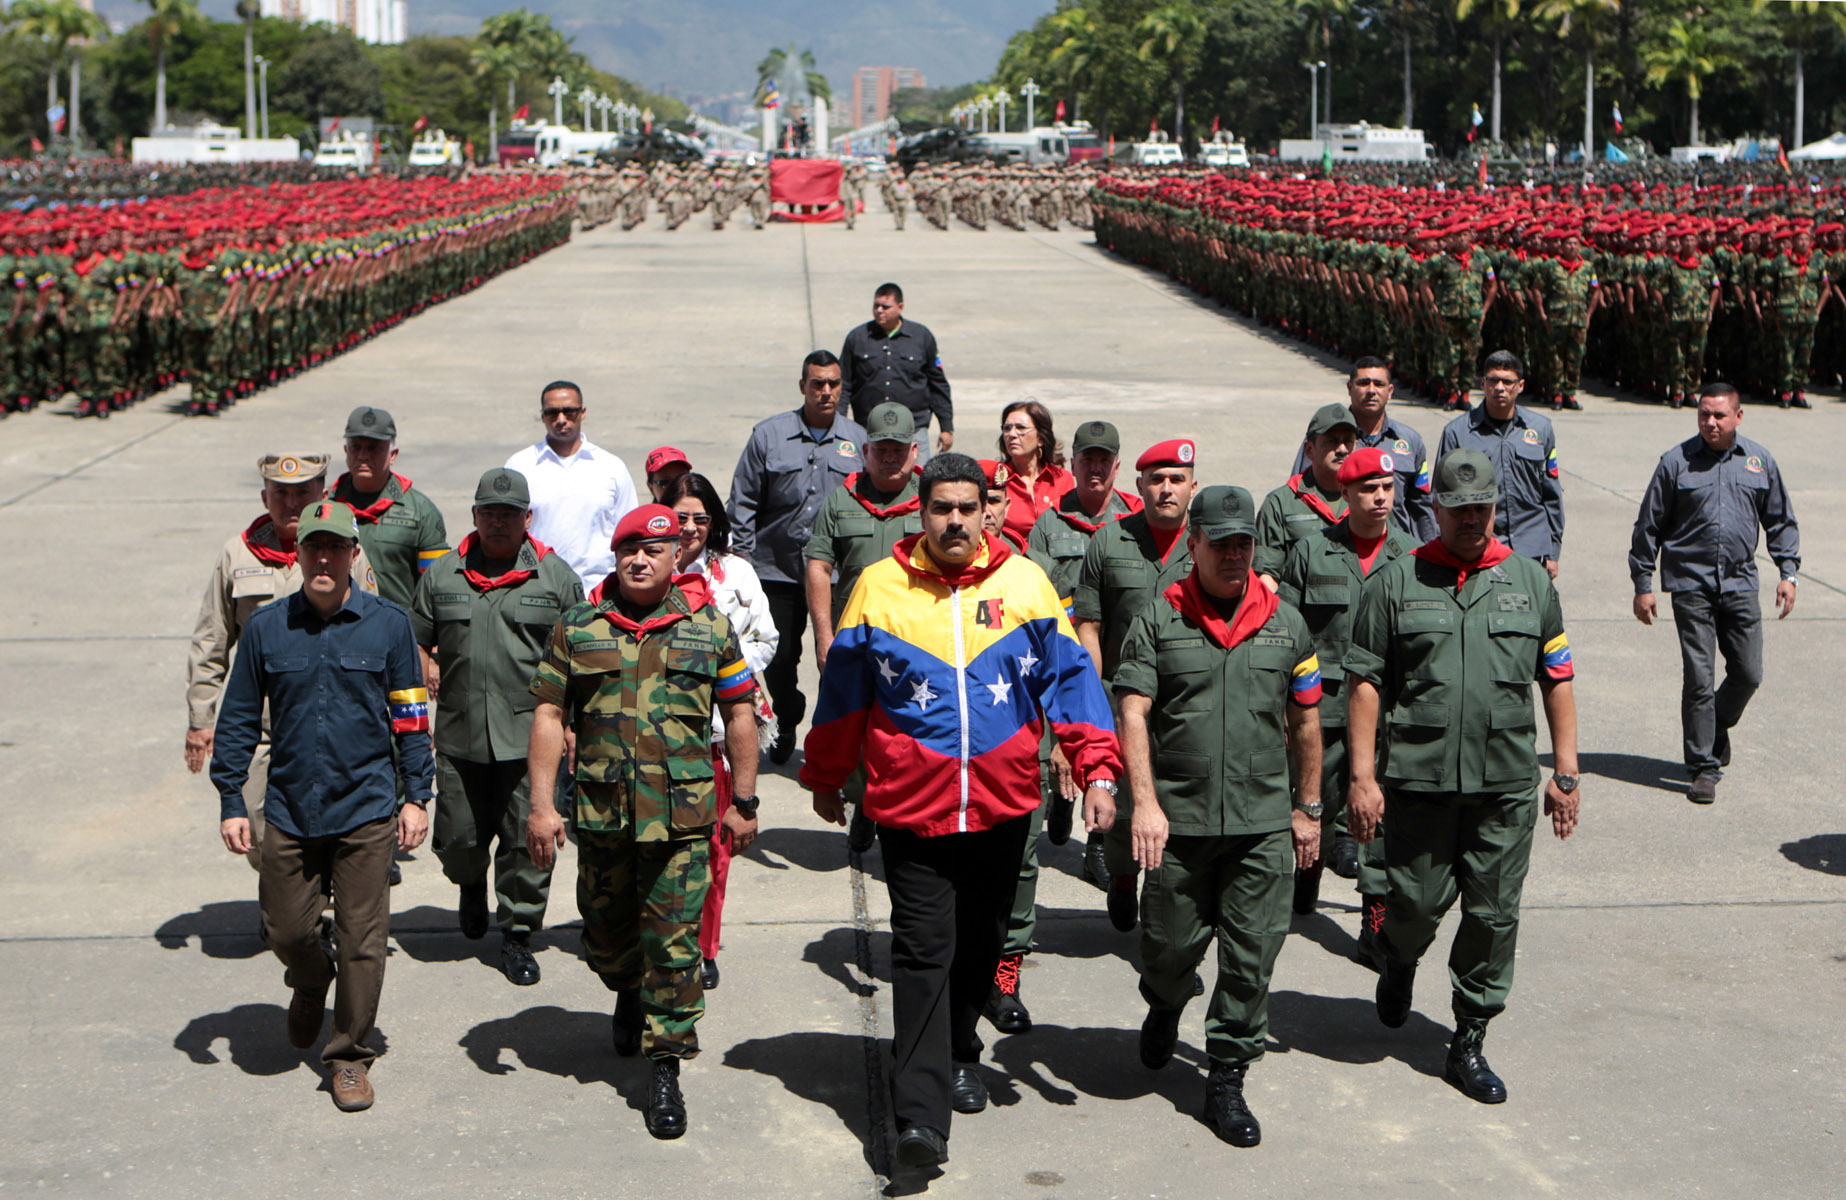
(1514, 602)
(1401, 446)
(1754, 463)
(1424, 606)
(1531, 437)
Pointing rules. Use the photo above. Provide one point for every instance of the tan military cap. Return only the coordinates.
(292, 468)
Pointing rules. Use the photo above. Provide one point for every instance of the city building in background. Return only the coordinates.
(872, 88)
(382, 22)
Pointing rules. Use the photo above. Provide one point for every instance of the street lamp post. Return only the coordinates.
(986, 106)
(558, 90)
(1030, 91)
(262, 74)
(1001, 100)
(1313, 95)
(588, 97)
(603, 105)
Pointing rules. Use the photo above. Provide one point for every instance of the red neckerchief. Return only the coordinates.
(1691, 264)
(1081, 520)
(901, 508)
(377, 508)
(1166, 551)
(518, 575)
(1190, 601)
(1313, 499)
(1367, 549)
(1434, 551)
(267, 554)
(1570, 264)
(915, 558)
(693, 591)
(1019, 543)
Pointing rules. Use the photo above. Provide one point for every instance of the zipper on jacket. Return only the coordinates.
(961, 701)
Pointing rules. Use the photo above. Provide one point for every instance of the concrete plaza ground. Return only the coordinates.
(1676, 1027)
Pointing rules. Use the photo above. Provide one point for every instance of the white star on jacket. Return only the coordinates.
(921, 694)
(885, 669)
(1001, 689)
(1027, 661)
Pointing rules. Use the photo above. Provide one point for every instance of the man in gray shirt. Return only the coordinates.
(890, 358)
(1524, 453)
(791, 463)
(1708, 498)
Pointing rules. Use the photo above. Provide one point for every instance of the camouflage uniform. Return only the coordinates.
(641, 704)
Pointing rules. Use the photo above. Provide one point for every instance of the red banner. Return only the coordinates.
(809, 186)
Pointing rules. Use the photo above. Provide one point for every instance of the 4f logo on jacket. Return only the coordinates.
(989, 613)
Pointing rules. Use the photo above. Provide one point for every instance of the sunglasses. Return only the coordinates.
(700, 520)
(552, 414)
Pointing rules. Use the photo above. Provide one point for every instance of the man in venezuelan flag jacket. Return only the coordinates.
(944, 659)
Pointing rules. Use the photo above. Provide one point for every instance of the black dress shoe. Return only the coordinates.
(920, 1147)
(627, 1023)
(1159, 1035)
(1467, 1067)
(967, 1094)
(1345, 857)
(1096, 863)
(666, 1108)
(1198, 984)
(1307, 890)
(1225, 1110)
(862, 832)
(1004, 1007)
(396, 875)
(1703, 789)
(516, 960)
(1395, 984)
(1059, 820)
(1122, 903)
(783, 748)
(472, 912)
(1371, 920)
(708, 974)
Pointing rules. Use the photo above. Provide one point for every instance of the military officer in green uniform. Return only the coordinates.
(1322, 578)
(1311, 499)
(1128, 563)
(1446, 645)
(858, 524)
(483, 616)
(399, 527)
(1218, 686)
(640, 667)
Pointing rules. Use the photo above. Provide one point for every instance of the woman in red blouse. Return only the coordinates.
(1037, 476)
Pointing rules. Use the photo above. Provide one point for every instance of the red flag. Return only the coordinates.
(468, 151)
(1481, 175)
(521, 114)
(58, 126)
(1112, 145)
(1781, 156)
(333, 125)
(1060, 115)
(38, 147)
(421, 125)
(1214, 126)
(1153, 127)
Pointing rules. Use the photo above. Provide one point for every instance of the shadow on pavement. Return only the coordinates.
(1324, 931)
(557, 1041)
(809, 849)
(258, 1040)
(1824, 852)
(1345, 1029)
(834, 953)
(1085, 933)
(224, 928)
(821, 1068)
(1099, 1062)
(1637, 769)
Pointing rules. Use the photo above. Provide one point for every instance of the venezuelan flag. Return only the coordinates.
(1557, 659)
(1423, 476)
(1305, 686)
(1551, 463)
(426, 557)
(409, 710)
(735, 681)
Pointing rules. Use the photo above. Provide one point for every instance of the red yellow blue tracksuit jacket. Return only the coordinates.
(938, 683)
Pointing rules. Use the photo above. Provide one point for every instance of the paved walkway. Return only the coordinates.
(1676, 1026)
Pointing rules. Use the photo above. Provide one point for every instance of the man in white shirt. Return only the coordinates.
(579, 490)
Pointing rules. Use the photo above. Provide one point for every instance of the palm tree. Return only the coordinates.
(58, 23)
(775, 66)
(1581, 14)
(1688, 53)
(521, 34)
(168, 19)
(1082, 51)
(1174, 32)
(1500, 15)
(1321, 13)
(1807, 21)
(247, 12)
(492, 63)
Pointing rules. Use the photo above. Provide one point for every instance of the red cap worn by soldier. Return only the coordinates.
(1365, 463)
(995, 472)
(648, 523)
(1179, 452)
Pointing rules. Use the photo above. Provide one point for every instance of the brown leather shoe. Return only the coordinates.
(306, 1012)
(352, 1089)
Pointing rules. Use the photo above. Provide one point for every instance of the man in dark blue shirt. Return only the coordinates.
(340, 673)
(1700, 517)
(890, 358)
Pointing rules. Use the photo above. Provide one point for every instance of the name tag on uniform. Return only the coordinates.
(600, 644)
(1183, 643)
(689, 644)
(398, 521)
(1425, 606)
(451, 597)
(249, 572)
(535, 601)
(1292, 518)
(1268, 639)
(1515, 602)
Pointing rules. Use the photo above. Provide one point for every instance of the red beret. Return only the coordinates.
(662, 456)
(995, 472)
(1364, 463)
(648, 523)
(1177, 453)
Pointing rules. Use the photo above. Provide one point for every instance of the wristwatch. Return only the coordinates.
(1566, 783)
(1313, 810)
(746, 805)
(1107, 785)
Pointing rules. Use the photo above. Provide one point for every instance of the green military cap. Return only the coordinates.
(368, 422)
(327, 516)
(292, 468)
(890, 422)
(1220, 512)
(503, 486)
(1329, 417)
(1096, 435)
(1465, 477)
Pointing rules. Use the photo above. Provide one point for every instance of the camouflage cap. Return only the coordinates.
(505, 487)
(327, 516)
(1465, 477)
(1329, 417)
(1221, 511)
(292, 468)
(1096, 435)
(890, 422)
(368, 422)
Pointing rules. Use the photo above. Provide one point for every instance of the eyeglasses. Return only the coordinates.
(699, 519)
(552, 414)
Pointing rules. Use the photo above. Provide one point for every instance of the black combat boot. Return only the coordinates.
(1225, 1111)
(1467, 1067)
(1159, 1034)
(1396, 981)
(666, 1108)
(628, 1022)
(472, 912)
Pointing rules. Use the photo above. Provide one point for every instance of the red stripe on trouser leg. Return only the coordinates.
(712, 918)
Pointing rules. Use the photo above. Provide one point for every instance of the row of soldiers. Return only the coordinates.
(120, 324)
(1656, 304)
